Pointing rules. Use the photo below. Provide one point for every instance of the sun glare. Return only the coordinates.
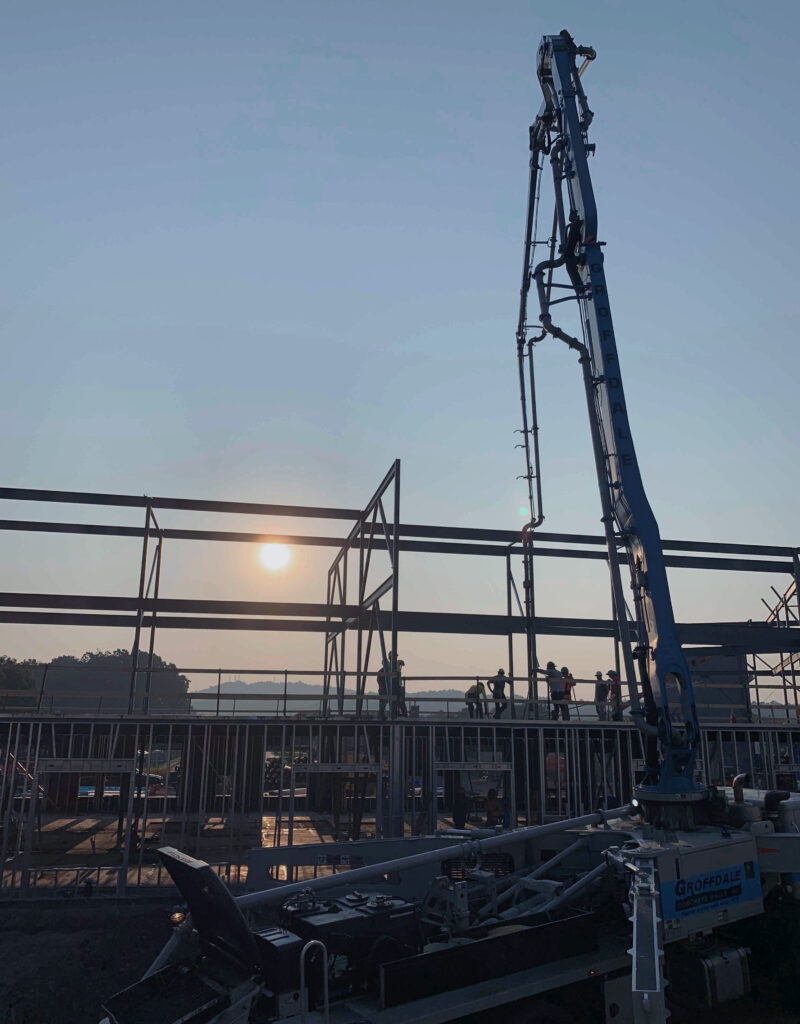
(274, 556)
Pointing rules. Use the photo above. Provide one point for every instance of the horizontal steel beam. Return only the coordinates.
(442, 547)
(735, 636)
(185, 504)
(508, 537)
(167, 605)
(544, 537)
(165, 622)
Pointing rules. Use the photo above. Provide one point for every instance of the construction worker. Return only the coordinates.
(569, 683)
(615, 695)
(399, 688)
(494, 809)
(555, 688)
(497, 684)
(461, 806)
(601, 696)
(475, 699)
(384, 684)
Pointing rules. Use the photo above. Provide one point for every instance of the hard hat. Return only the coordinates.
(501, 671)
(598, 674)
(613, 672)
(564, 668)
(551, 664)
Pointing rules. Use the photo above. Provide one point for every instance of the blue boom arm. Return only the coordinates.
(560, 131)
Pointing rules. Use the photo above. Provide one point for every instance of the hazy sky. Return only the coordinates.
(257, 251)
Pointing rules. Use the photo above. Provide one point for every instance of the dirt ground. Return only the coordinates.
(58, 962)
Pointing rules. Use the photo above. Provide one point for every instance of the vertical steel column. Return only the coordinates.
(395, 566)
(234, 777)
(186, 762)
(276, 835)
(327, 659)
(139, 612)
(262, 766)
(122, 877)
(341, 682)
(145, 803)
(396, 772)
(153, 624)
(361, 668)
(167, 774)
(201, 802)
(292, 780)
(530, 618)
(512, 692)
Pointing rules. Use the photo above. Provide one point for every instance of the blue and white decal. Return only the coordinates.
(721, 887)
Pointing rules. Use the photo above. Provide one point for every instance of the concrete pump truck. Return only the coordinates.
(667, 904)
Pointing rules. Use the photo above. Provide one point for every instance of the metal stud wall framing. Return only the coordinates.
(333, 778)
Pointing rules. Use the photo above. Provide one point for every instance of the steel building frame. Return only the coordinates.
(339, 762)
(148, 612)
(372, 524)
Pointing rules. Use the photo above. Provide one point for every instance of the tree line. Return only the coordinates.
(97, 680)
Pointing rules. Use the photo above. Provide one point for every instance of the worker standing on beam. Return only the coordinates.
(555, 688)
(497, 684)
(601, 696)
(615, 695)
(475, 699)
(399, 688)
(569, 684)
(384, 684)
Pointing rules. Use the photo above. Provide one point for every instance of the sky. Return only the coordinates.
(257, 251)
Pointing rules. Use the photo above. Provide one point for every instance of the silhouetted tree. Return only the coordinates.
(18, 675)
(101, 680)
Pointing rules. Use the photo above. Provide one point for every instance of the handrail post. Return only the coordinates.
(304, 990)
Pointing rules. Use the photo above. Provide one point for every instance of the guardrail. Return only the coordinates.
(101, 880)
(291, 705)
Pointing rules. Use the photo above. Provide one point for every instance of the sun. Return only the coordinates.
(274, 556)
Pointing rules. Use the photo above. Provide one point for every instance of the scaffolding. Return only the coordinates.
(774, 676)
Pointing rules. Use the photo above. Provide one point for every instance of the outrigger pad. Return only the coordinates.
(215, 915)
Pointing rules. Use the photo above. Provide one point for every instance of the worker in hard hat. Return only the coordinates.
(475, 699)
(497, 684)
(555, 688)
(601, 688)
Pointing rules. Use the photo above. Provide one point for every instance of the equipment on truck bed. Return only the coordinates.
(592, 915)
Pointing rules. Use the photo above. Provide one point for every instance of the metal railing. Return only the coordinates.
(99, 880)
(287, 701)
